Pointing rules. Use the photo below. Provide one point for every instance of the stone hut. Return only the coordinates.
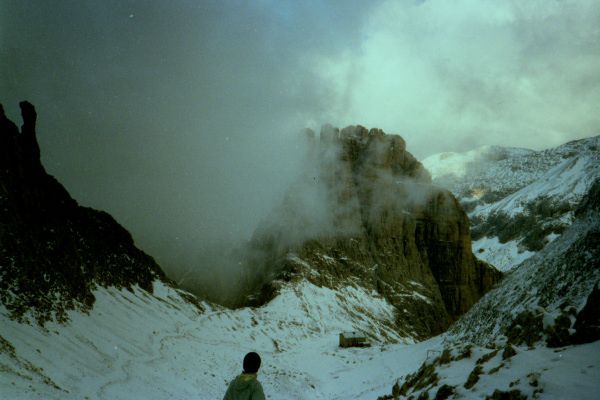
(353, 339)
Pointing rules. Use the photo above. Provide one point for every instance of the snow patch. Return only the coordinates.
(503, 256)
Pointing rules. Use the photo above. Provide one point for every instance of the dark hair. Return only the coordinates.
(251, 363)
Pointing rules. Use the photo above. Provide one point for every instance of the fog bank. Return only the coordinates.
(180, 118)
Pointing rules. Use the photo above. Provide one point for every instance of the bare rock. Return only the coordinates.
(384, 226)
(53, 252)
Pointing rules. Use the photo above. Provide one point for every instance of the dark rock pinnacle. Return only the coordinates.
(53, 252)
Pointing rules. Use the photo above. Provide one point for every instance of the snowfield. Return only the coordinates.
(503, 256)
(134, 345)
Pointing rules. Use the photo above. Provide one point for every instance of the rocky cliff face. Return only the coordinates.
(53, 252)
(367, 215)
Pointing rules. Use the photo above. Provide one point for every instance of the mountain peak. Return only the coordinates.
(53, 252)
(366, 214)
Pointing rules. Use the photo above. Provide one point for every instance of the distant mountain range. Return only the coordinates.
(518, 200)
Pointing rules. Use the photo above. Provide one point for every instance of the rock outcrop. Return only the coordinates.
(53, 252)
(368, 215)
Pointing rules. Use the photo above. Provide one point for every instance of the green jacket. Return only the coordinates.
(245, 387)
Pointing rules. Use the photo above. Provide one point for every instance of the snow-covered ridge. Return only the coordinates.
(568, 181)
(134, 345)
(518, 200)
(502, 168)
(558, 277)
(459, 164)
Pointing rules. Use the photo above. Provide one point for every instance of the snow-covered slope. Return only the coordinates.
(139, 346)
(549, 283)
(518, 200)
(136, 345)
(512, 372)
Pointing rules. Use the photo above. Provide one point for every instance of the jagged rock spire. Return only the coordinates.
(19, 150)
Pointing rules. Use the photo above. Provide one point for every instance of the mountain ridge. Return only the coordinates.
(53, 252)
(518, 200)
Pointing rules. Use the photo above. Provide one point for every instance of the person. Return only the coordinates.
(245, 386)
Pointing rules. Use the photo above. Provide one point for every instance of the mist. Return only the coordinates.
(178, 118)
(452, 76)
(181, 118)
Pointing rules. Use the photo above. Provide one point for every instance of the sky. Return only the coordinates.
(181, 118)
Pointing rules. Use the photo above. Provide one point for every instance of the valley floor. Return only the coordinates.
(138, 346)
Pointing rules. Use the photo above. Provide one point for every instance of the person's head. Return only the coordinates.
(251, 363)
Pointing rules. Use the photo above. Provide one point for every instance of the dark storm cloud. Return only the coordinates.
(178, 117)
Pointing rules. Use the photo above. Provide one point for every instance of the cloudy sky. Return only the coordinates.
(179, 117)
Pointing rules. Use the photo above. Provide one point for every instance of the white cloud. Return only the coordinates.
(455, 75)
